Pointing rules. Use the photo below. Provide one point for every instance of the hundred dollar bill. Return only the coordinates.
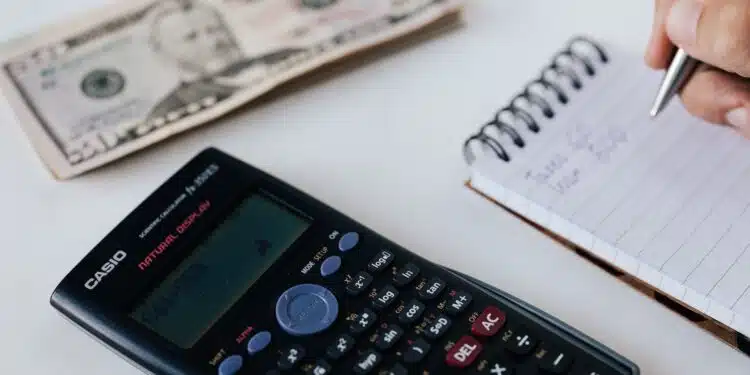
(116, 80)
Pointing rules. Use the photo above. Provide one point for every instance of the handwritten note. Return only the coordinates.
(669, 196)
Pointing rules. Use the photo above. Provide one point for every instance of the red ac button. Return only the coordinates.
(489, 322)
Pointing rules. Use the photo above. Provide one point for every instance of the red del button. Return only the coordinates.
(489, 322)
(464, 352)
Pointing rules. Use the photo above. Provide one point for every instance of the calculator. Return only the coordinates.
(225, 269)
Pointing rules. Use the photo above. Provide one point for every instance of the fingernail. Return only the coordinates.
(682, 22)
(739, 118)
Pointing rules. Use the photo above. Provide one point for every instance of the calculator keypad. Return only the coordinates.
(411, 312)
(342, 345)
(399, 316)
(360, 283)
(367, 318)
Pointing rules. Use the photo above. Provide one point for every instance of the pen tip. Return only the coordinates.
(656, 109)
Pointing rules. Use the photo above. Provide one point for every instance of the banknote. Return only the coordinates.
(118, 79)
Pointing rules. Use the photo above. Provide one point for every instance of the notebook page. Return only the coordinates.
(666, 199)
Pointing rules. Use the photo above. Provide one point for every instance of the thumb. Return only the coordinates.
(716, 32)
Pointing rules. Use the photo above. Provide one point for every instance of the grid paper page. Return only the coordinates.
(666, 199)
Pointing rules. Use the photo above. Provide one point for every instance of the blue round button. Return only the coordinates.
(230, 365)
(306, 309)
(330, 266)
(258, 342)
(348, 241)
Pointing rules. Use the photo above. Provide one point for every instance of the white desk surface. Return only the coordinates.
(382, 144)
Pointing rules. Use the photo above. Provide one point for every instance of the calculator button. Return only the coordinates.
(498, 366)
(521, 343)
(411, 312)
(258, 342)
(406, 275)
(348, 241)
(380, 261)
(556, 362)
(385, 297)
(464, 352)
(367, 362)
(416, 351)
(458, 302)
(589, 372)
(330, 266)
(432, 289)
(230, 365)
(364, 321)
(306, 309)
(388, 336)
(489, 322)
(359, 283)
(320, 367)
(291, 356)
(340, 347)
(397, 369)
(438, 327)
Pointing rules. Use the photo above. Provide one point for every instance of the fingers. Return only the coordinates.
(716, 32)
(719, 97)
(660, 48)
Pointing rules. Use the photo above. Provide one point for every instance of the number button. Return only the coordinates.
(416, 351)
(458, 302)
(411, 312)
(406, 275)
(388, 336)
(385, 297)
(364, 321)
(340, 347)
(438, 327)
(321, 367)
(367, 362)
(359, 283)
(432, 289)
(380, 261)
(464, 352)
(291, 356)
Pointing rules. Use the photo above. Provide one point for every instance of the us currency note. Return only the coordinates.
(119, 79)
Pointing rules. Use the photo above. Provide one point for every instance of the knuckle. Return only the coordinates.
(698, 97)
(732, 41)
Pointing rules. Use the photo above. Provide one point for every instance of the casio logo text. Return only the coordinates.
(105, 269)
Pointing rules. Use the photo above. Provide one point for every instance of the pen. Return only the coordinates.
(681, 68)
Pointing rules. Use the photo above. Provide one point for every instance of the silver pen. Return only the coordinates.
(680, 70)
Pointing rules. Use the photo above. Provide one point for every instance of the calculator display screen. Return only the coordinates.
(220, 270)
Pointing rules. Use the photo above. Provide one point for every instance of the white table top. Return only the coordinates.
(377, 142)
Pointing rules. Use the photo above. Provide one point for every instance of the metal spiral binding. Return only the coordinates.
(562, 65)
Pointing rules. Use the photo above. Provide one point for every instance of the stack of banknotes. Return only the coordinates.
(118, 79)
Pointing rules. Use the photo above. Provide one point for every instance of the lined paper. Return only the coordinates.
(666, 199)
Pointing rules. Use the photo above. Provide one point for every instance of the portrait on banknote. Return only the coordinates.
(195, 38)
(106, 85)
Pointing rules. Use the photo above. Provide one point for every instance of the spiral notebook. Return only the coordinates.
(664, 202)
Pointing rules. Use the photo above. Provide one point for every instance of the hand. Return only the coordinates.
(716, 32)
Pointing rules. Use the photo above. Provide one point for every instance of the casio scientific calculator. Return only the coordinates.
(227, 270)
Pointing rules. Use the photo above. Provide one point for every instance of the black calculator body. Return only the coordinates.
(227, 270)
